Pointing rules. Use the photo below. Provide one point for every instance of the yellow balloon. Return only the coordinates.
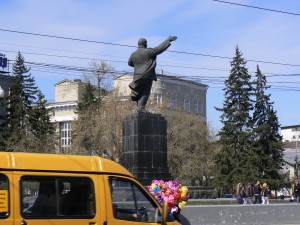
(183, 195)
(184, 189)
(181, 204)
(153, 186)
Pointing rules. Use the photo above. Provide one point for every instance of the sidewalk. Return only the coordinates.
(255, 214)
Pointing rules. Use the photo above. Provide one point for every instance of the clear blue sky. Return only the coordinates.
(203, 27)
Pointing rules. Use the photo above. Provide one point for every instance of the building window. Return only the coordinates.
(65, 136)
(186, 104)
(197, 107)
(173, 101)
(158, 97)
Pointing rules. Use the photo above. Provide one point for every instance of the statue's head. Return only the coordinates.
(142, 42)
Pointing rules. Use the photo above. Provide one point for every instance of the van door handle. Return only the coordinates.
(92, 223)
(23, 222)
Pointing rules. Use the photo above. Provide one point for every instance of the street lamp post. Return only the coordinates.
(296, 157)
(296, 167)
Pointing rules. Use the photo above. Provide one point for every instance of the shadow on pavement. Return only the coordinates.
(184, 220)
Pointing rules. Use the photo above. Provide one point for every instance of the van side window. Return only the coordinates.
(57, 197)
(4, 212)
(77, 198)
(130, 202)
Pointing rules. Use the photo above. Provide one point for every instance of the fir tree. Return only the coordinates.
(22, 96)
(267, 140)
(42, 128)
(88, 99)
(88, 111)
(234, 162)
(3, 124)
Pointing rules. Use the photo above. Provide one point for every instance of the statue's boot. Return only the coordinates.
(141, 103)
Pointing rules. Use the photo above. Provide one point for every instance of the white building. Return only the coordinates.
(290, 133)
(67, 95)
(291, 139)
(190, 95)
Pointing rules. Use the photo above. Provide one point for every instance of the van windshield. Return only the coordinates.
(3, 196)
(131, 203)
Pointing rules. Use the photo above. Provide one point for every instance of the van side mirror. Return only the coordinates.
(164, 213)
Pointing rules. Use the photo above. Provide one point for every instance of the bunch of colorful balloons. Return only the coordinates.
(171, 192)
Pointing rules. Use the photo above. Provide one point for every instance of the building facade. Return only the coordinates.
(62, 110)
(189, 95)
(290, 133)
(291, 144)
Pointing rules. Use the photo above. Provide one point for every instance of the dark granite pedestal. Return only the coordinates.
(145, 147)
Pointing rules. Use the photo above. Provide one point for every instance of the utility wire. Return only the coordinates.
(189, 66)
(123, 45)
(52, 68)
(55, 67)
(118, 61)
(210, 80)
(185, 66)
(67, 38)
(85, 69)
(256, 7)
(42, 67)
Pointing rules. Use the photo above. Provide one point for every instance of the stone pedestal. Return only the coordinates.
(145, 147)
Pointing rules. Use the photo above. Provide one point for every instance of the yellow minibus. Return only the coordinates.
(52, 189)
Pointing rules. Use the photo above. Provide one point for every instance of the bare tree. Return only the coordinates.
(191, 143)
(98, 128)
(101, 132)
(100, 75)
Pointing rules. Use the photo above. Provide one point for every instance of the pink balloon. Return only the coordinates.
(166, 199)
(171, 199)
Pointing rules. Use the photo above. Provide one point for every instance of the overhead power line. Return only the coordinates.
(123, 45)
(66, 38)
(256, 7)
(174, 65)
(84, 69)
(55, 68)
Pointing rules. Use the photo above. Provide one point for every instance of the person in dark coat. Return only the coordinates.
(144, 62)
(296, 191)
(257, 193)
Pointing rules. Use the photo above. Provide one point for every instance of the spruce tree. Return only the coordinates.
(42, 128)
(234, 161)
(88, 99)
(3, 124)
(85, 129)
(22, 96)
(267, 140)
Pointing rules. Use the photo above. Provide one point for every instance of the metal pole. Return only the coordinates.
(296, 167)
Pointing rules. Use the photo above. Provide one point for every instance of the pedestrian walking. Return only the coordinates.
(249, 193)
(265, 193)
(296, 191)
(257, 193)
(239, 197)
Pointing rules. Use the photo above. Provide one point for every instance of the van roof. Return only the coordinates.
(58, 162)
